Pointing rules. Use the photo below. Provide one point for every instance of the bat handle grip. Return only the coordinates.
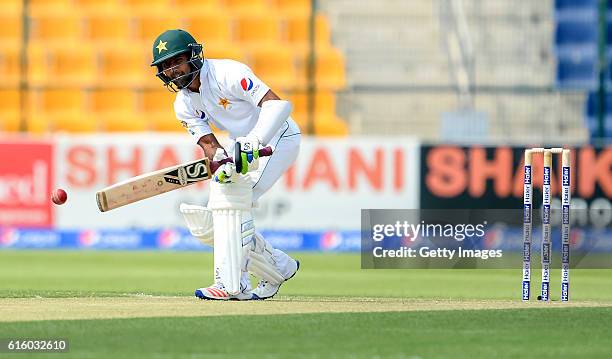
(265, 152)
(214, 165)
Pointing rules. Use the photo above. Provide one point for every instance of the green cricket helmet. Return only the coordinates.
(172, 43)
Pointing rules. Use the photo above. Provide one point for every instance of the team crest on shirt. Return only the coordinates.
(184, 124)
(224, 102)
(246, 84)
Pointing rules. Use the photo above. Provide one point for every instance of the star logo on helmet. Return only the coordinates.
(161, 46)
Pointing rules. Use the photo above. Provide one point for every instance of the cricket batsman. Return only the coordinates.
(228, 95)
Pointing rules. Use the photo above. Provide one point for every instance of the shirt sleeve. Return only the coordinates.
(196, 126)
(243, 84)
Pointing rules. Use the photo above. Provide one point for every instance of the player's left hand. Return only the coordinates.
(249, 153)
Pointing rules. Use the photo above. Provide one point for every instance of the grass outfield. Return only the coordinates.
(542, 333)
(142, 306)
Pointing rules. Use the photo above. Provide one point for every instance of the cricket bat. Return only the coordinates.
(161, 181)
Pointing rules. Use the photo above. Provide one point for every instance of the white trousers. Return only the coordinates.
(286, 146)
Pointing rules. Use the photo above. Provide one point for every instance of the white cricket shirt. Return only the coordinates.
(228, 98)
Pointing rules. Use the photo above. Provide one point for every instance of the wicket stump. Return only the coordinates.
(546, 224)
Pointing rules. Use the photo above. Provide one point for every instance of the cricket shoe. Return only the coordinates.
(267, 290)
(218, 292)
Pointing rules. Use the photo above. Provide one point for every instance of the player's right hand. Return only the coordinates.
(226, 171)
(249, 153)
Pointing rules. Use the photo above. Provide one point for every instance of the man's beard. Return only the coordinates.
(183, 81)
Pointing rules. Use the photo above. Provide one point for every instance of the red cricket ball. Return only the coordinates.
(59, 196)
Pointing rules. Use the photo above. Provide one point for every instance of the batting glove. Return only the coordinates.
(224, 173)
(249, 153)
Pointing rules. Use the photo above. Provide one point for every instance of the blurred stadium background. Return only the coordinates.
(401, 88)
(511, 71)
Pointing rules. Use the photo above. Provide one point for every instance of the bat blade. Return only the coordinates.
(153, 183)
(165, 180)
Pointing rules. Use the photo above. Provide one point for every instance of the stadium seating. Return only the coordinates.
(576, 41)
(98, 7)
(324, 103)
(293, 7)
(574, 9)
(575, 32)
(59, 110)
(593, 125)
(10, 66)
(37, 124)
(210, 27)
(54, 27)
(326, 123)
(225, 51)
(71, 122)
(112, 101)
(12, 7)
(39, 7)
(160, 7)
(59, 101)
(106, 29)
(581, 74)
(10, 106)
(329, 125)
(9, 121)
(38, 61)
(159, 100)
(67, 110)
(576, 37)
(164, 122)
(10, 31)
(329, 69)
(198, 6)
(247, 7)
(123, 66)
(561, 5)
(298, 33)
(275, 66)
(91, 57)
(122, 122)
(149, 26)
(592, 104)
(609, 35)
(158, 109)
(68, 67)
(10, 100)
(254, 30)
(323, 125)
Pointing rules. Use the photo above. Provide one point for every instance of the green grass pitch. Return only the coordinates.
(332, 308)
